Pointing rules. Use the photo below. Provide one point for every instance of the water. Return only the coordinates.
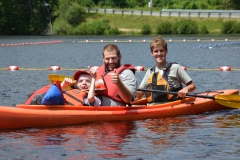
(205, 136)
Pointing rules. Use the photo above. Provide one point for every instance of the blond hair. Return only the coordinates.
(158, 41)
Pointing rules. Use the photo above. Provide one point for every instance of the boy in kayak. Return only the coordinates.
(165, 76)
(83, 91)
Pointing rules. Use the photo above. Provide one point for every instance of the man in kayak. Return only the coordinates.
(120, 80)
(165, 76)
(84, 90)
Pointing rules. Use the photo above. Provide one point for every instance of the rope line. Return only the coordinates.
(188, 69)
(226, 41)
(144, 40)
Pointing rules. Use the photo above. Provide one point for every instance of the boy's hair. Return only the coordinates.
(158, 41)
(111, 47)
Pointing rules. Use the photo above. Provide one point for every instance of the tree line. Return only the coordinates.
(33, 17)
(168, 4)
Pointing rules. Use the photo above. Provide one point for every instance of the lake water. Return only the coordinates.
(207, 136)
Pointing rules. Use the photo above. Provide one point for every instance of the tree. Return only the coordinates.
(68, 13)
(235, 4)
(24, 17)
(86, 3)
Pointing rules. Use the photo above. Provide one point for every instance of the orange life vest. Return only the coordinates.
(75, 97)
(111, 90)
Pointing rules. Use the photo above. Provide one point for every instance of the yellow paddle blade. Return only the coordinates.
(228, 100)
(57, 77)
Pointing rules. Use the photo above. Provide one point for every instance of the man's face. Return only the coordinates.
(111, 60)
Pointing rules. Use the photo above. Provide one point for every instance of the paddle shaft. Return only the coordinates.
(166, 92)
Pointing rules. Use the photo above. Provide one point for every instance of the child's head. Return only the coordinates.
(83, 79)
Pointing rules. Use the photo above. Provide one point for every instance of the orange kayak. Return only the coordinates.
(38, 116)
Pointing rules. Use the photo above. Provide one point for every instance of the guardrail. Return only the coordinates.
(172, 13)
(202, 13)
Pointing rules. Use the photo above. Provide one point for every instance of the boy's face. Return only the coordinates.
(84, 81)
(159, 54)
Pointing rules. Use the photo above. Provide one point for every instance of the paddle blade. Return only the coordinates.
(56, 77)
(232, 101)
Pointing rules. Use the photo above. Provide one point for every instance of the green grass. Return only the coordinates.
(132, 24)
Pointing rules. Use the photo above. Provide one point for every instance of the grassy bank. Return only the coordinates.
(132, 24)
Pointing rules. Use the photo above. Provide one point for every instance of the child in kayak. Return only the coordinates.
(83, 90)
(83, 93)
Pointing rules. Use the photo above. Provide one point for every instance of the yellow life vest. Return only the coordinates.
(156, 81)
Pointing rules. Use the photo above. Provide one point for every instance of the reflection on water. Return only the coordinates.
(103, 139)
(165, 129)
(228, 121)
(209, 135)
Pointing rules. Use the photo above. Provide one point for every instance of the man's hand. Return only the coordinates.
(115, 77)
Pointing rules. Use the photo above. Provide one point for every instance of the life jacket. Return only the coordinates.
(75, 97)
(111, 90)
(156, 81)
(37, 96)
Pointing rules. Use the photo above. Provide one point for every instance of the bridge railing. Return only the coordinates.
(171, 13)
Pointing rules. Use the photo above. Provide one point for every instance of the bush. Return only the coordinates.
(61, 27)
(228, 27)
(97, 27)
(93, 28)
(114, 31)
(146, 29)
(237, 28)
(81, 29)
(164, 28)
(204, 30)
(175, 27)
(185, 27)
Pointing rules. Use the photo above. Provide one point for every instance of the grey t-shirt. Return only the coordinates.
(176, 76)
(129, 80)
(97, 101)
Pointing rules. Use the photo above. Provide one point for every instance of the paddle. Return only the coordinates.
(57, 77)
(232, 101)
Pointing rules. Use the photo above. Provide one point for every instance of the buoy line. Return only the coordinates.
(144, 40)
(222, 68)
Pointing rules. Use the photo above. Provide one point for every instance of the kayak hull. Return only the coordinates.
(38, 116)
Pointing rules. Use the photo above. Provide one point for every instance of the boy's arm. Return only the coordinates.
(91, 92)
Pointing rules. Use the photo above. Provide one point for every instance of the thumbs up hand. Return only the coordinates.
(115, 77)
(92, 71)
